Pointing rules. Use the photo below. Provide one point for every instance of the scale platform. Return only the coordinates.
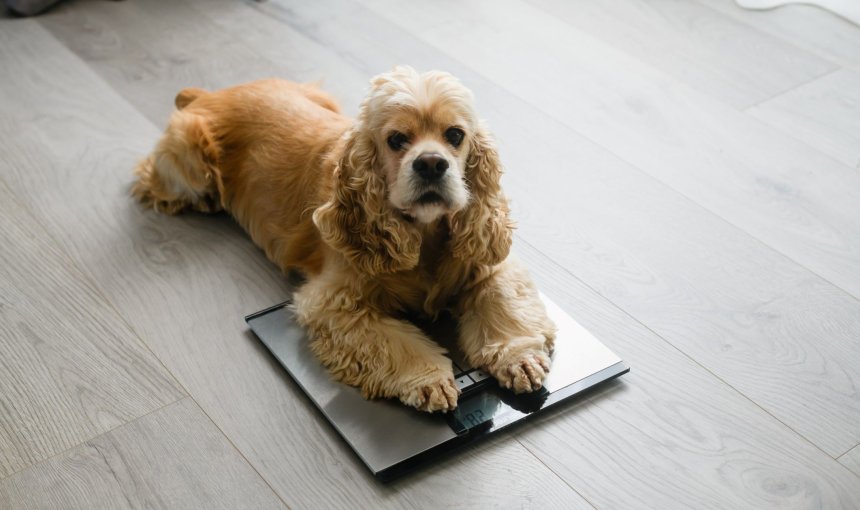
(391, 438)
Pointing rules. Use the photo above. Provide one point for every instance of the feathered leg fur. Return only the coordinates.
(504, 328)
(382, 356)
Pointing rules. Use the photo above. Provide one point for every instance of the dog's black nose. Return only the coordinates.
(430, 166)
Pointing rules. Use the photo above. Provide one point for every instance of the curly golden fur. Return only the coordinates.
(400, 211)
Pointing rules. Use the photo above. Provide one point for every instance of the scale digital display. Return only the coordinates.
(493, 408)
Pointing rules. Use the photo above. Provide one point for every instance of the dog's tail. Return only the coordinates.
(186, 96)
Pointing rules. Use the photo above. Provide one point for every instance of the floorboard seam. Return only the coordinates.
(70, 448)
(848, 451)
(673, 346)
(855, 473)
(551, 470)
(239, 452)
(749, 107)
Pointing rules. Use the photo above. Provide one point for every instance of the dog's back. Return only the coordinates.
(260, 151)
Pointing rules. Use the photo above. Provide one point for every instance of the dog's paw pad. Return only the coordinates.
(438, 395)
(524, 373)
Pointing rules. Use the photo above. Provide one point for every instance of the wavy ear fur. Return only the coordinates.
(482, 232)
(359, 222)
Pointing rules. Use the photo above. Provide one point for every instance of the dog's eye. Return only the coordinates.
(454, 136)
(397, 140)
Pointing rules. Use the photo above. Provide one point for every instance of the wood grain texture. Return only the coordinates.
(157, 46)
(668, 434)
(70, 368)
(851, 460)
(696, 45)
(741, 309)
(172, 458)
(824, 113)
(184, 284)
(806, 26)
(298, 57)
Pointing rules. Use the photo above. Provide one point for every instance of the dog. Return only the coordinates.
(397, 212)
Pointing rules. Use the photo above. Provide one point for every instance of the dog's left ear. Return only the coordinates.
(482, 232)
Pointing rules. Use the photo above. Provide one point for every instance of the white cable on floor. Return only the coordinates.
(848, 9)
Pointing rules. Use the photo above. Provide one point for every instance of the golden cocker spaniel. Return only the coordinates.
(397, 212)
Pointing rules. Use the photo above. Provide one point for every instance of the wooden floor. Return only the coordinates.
(686, 177)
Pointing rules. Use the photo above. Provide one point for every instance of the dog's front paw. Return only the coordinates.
(522, 372)
(436, 393)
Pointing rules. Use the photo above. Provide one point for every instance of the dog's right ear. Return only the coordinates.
(186, 96)
(358, 221)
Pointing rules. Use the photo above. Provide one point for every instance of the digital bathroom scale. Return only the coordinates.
(391, 438)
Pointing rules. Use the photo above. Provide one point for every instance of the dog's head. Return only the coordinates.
(420, 124)
(417, 153)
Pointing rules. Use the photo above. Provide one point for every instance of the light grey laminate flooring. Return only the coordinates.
(686, 179)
